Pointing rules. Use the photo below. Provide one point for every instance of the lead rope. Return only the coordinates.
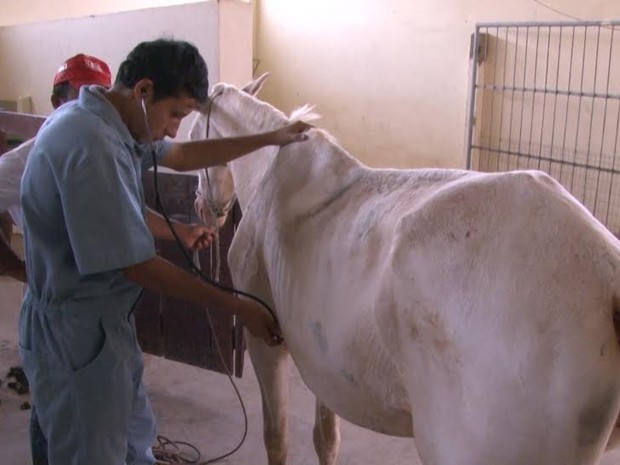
(169, 452)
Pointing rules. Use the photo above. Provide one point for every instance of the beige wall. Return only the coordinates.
(235, 35)
(389, 76)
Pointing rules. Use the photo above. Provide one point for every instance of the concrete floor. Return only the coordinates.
(200, 407)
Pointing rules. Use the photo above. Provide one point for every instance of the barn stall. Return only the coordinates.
(192, 401)
(174, 350)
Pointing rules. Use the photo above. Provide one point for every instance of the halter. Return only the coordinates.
(215, 210)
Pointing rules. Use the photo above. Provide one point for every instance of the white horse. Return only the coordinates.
(475, 310)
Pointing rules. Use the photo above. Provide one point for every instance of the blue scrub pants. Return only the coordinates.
(38, 443)
(85, 368)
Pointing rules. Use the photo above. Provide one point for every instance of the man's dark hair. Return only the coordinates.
(174, 66)
(61, 91)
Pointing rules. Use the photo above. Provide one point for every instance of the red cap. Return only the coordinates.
(84, 70)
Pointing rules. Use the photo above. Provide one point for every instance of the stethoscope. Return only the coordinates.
(160, 207)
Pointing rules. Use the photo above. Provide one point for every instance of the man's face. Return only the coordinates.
(165, 116)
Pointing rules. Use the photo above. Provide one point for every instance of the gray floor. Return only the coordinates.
(200, 407)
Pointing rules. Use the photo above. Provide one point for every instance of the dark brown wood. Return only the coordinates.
(22, 125)
(239, 336)
(17, 127)
(4, 142)
(174, 328)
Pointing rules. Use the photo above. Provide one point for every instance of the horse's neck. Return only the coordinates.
(248, 173)
(310, 175)
(258, 117)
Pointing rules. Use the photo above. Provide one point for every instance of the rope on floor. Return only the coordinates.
(168, 452)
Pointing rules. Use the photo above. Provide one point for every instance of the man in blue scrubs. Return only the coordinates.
(75, 72)
(89, 251)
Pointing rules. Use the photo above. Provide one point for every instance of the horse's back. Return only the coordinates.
(499, 303)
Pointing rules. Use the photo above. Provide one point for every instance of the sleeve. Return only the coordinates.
(161, 149)
(12, 166)
(103, 212)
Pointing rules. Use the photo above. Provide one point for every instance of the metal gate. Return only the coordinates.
(547, 96)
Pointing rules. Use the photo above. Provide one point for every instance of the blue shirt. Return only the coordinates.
(83, 205)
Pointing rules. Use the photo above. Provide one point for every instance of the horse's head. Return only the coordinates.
(229, 112)
(232, 112)
(215, 195)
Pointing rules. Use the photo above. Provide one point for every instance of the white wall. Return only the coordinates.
(389, 76)
(30, 11)
(31, 53)
(33, 66)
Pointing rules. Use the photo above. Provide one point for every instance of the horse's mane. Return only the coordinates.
(307, 114)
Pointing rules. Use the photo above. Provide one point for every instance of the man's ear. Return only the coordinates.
(143, 89)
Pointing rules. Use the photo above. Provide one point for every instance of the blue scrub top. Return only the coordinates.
(83, 205)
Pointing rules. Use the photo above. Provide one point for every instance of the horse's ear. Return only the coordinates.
(254, 87)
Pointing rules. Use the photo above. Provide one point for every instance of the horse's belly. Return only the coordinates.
(354, 399)
(332, 335)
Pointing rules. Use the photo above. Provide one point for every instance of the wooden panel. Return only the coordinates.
(4, 142)
(17, 127)
(239, 337)
(182, 331)
(21, 125)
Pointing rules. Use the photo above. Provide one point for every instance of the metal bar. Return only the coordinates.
(472, 98)
(544, 105)
(535, 157)
(549, 23)
(534, 90)
(598, 42)
(493, 97)
(555, 103)
(534, 96)
(512, 100)
(600, 159)
(527, 39)
(583, 59)
(570, 75)
(501, 108)
(614, 159)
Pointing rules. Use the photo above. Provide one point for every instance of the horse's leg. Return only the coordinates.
(271, 367)
(326, 434)
(614, 438)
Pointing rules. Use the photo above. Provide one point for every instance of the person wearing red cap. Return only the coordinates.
(77, 71)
